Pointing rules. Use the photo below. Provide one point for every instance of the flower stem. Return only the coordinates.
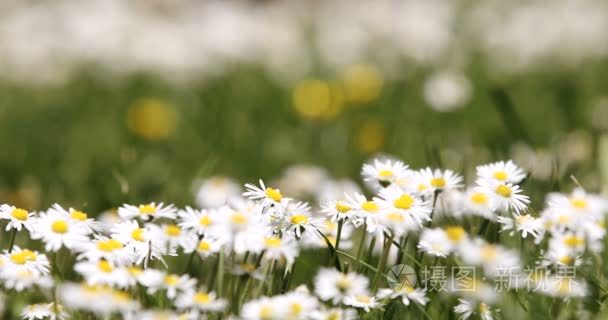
(382, 263)
(361, 245)
(220, 273)
(339, 234)
(11, 242)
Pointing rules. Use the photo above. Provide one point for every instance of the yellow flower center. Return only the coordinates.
(579, 203)
(238, 218)
(173, 230)
(274, 194)
(299, 219)
(483, 308)
(134, 271)
(395, 217)
(23, 256)
(138, 234)
(489, 253)
(504, 190)
(438, 182)
(385, 174)
(272, 242)
(564, 219)
(171, 280)
(109, 245)
(364, 299)
(404, 202)
(19, 214)
(422, 187)
(406, 287)
(205, 221)
(500, 175)
(266, 312)
(523, 219)
(78, 215)
(342, 208)
(343, 283)
(479, 198)
(455, 233)
(147, 209)
(370, 206)
(248, 267)
(59, 226)
(202, 298)
(295, 309)
(573, 241)
(567, 260)
(204, 245)
(105, 266)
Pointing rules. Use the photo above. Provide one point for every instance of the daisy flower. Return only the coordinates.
(20, 280)
(331, 284)
(407, 294)
(142, 243)
(525, 224)
(200, 300)
(208, 246)
(334, 313)
(394, 200)
(199, 221)
(156, 280)
(107, 300)
(505, 196)
(441, 242)
(104, 248)
(173, 237)
(338, 210)
(492, 257)
(263, 308)
(366, 212)
(479, 202)
(430, 180)
(298, 304)
(266, 195)
(20, 260)
(362, 301)
(276, 248)
(296, 219)
(56, 229)
(467, 308)
(78, 217)
(216, 191)
(501, 172)
(44, 311)
(103, 272)
(382, 173)
(18, 218)
(147, 212)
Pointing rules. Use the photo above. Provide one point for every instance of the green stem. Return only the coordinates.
(339, 234)
(361, 244)
(382, 263)
(220, 273)
(11, 241)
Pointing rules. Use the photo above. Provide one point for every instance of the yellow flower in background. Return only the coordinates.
(362, 83)
(370, 137)
(318, 99)
(152, 119)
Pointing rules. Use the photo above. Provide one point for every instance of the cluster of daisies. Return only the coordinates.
(236, 256)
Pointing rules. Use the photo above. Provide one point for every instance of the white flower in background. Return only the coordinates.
(298, 304)
(362, 301)
(208, 246)
(18, 218)
(266, 195)
(334, 313)
(107, 300)
(200, 300)
(199, 221)
(393, 200)
(494, 258)
(147, 212)
(107, 219)
(447, 90)
(262, 309)
(56, 229)
(525, 224)
(407, 294)
(44, 311)
(575, 242)
(104, 248)
(502, 172)
(216, 191)
(479, 202)
(441, 242)
(382, 173)
(141, 243)
(78, 217)
(302, 180)
(21, 280)
(156, 280)
(505, 196)
(173, 237)
(277, 248)
(23, 260)
(366, 212)
(103, 272)
(466, 309)
(333, 285)
(427, 181)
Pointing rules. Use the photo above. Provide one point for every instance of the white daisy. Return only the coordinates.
(296, 218)
(78, 217)
(57, 229)
(407, 294)
(142, 243)
(525, 224)
(501, 172)
(441, 242)
(366, 212)
(382, 173)
(23, 260)
(105, 248)
(505, 196)
(429, 180)
(362, 301)
(215, 192)
(338, 210)
(267, 195)
(479, 202)
(466, 309)
(156, 280)
(200, 300)
(44, 311)
(331, 284)
(103, 272)
(394, 200)
(199, 221)
(147, 212)
(18, 218)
